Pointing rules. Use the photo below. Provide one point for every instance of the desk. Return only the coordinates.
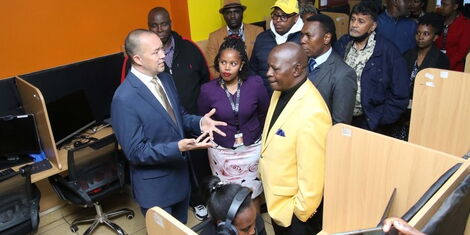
(62, 155)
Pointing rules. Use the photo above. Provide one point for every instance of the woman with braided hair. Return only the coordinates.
(231, 209)
(242, 102)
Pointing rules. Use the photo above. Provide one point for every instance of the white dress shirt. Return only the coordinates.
(321, 59)
(147, 80)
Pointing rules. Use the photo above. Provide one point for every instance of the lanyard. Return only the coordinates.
(235, 105)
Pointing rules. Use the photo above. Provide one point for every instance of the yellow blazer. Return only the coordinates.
(292, 166)
(217, 37)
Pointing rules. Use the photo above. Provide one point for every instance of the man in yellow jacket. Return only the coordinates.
(294, 138)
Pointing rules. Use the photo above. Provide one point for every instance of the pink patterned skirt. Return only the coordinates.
(238, 166)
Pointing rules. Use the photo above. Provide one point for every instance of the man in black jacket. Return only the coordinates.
(185, 62)
(285, 26)
(183, 59)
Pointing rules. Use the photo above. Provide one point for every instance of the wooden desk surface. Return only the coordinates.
(63, 159)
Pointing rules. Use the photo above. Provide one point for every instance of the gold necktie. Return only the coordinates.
(166, 102)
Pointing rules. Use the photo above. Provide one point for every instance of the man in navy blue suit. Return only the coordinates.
(149, 123)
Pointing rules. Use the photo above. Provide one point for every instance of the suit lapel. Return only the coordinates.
(285, 113)
(324, 70)
(147, 95)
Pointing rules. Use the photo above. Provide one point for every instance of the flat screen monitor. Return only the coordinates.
(18, 136)
(69, 116)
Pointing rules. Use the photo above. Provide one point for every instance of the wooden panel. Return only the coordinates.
(33, 102)
(467, 63)
(49, 198)
(341, 22)
(363, 167)
(159, 221)
(441, 111)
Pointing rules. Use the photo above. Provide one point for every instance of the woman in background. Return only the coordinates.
(455, 38)
(242, 102)
(425, 55)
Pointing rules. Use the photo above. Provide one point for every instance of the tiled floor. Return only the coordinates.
(57, 222)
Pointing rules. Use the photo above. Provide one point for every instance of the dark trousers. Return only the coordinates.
(297, 227)
(178, 210)
(199, 170)
(360, 121)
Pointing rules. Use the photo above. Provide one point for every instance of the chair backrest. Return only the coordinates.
(15, 194)
(451, 218)
(159, 221)
(95, 165)
(341, 22)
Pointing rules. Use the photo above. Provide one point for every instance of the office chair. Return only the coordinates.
(95, 172)
(451, 217)
(19, 204)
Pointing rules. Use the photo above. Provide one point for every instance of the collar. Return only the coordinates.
(395, 19)
(321, 59)
(171, 46)
(239, 30)
(369, 40)
(290, 92)
(141, 76)
(283, 38)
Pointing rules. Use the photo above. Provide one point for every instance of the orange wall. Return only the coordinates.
(36, 35)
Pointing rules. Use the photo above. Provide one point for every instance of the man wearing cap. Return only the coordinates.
(285, 26)
(232, 11)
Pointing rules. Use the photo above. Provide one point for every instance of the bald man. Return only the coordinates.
(185, 62)
(149, 124)
(294, 137)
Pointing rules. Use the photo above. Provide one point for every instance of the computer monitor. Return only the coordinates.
(18, 138)
(69, 116)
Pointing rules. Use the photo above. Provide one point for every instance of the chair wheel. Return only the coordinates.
(130, 216)
(73, 228)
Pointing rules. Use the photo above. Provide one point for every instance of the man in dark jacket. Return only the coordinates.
(383, 81)
(335, 80)
(285, 26)
(185, 62)
(183, 59)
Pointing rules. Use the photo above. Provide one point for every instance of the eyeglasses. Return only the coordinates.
(282, 17)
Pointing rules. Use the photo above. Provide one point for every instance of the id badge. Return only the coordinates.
(238, 140)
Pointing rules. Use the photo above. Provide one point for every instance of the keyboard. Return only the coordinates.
(40, 166)
(7, 173)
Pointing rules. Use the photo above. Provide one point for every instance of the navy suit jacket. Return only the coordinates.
(385, 82)
(149, 139)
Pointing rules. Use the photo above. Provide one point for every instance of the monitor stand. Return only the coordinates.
(11, 161)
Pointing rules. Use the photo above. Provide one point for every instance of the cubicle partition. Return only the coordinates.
(30, 93)
(10, 101)
(361, 170)
(441, 111)
(33, 103)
